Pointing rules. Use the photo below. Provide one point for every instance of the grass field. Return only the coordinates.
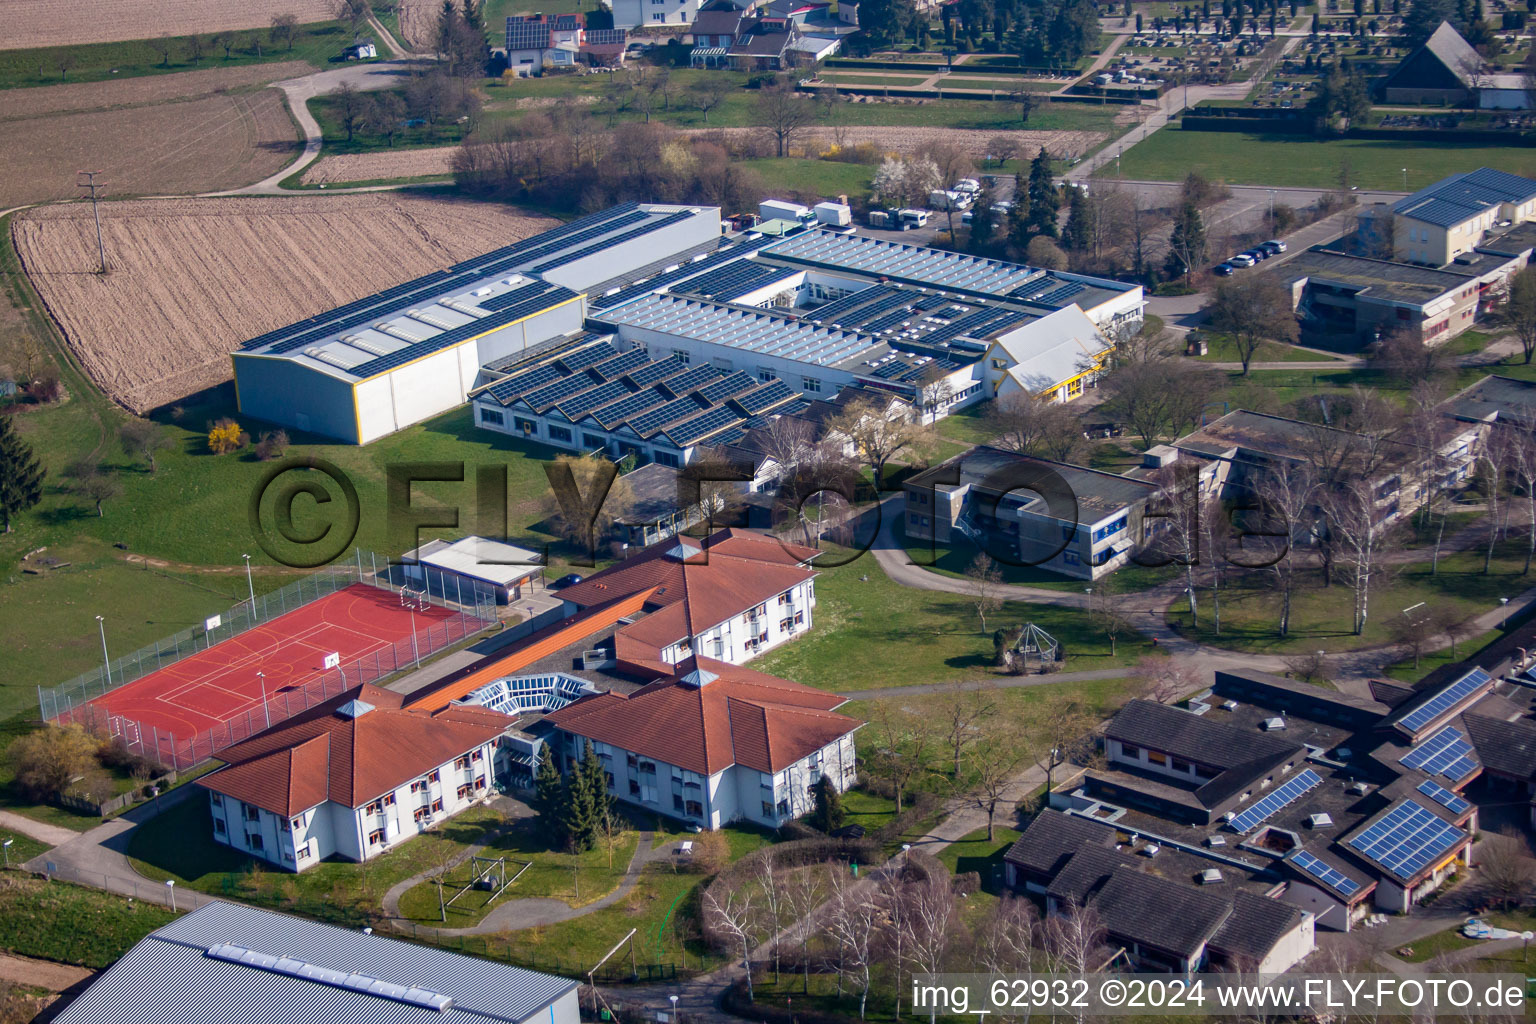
(70, 923)
(575, 879)
(314, 44)
(1240, 158)
(1223, 351)
(877, 633)
(823, 177)
(1322, 618)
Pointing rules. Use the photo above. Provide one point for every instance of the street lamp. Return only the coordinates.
(266, 709)
(249, 582)
(5, 848)
(101, 623)
(170, 887)
(1405, 179)
(1504, 603)
(673, 997)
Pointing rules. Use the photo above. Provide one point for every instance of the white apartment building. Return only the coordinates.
(715, 745)
(352, 778)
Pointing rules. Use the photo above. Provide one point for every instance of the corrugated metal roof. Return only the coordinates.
(1463, 196)
(169, 977)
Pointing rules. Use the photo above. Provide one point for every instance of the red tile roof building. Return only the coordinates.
(715, 743)
(729, 597)
(351, 777)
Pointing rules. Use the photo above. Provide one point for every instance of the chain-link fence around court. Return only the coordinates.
(474, 609)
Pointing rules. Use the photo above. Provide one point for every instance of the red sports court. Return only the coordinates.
(205, 690)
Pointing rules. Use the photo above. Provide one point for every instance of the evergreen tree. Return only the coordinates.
(21, 476)
(983, 227)
(1080, 222)
(549, 798)
(586, 801)
(1044, 200)
(1186, 245)
(827, 814)
(1018, 228)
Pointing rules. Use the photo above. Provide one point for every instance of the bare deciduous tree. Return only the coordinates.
(1251, 311)
(1359, 540)
(1059, 733)
(1038, 427)
(737, 913)
(961, 722)
(854, 921)
(984, 583)
(994, 764)
(1507, 868)
(1106, 609)
(785, 113)
(898, 747)
(1165, 679)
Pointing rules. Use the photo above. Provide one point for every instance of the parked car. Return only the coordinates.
(1258, 255)
(569, 580)
(1274, 246)
(1222, 270)
(1242, 259)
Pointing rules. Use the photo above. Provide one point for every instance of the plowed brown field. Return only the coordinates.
(30, 23)
(196, 145)
(193, 278)
(132, 92)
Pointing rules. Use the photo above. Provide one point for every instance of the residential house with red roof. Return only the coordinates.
(713, 744)
(352, 777)
(729, 597)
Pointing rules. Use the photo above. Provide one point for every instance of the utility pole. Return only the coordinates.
(90, 183)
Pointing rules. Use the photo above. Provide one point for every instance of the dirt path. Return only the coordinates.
(23, 970)
(53, 835)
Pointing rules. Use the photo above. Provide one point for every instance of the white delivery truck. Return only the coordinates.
(911, 218)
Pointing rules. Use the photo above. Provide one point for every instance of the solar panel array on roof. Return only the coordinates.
(831, 311)
(597, 247)
(735, 280)
(695, 378)
(527, 35)
(611, 416)
(1445, 798)
(560, 390)
(891, 320)
(585, 357)
(723, 255)
(510, 298)
(890, 371)
(553, 297)
(1287, 793)
(1445, 700)
(658, 371)
(1325, 873)
(596, 398)
(623, 363)
(1446, 753)
(690, 431)
(898, 260)
(1407, 840)
(1058, 294)
(750, 330)
(439, 282)
(765, 397)
(930, 303)
(505, 390)
(648, 423)
(735, 384)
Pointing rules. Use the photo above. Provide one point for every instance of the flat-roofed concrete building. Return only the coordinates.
(1355, 300)
(1068, 519)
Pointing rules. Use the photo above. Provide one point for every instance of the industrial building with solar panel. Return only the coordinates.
(648, 330)
(1335, 807)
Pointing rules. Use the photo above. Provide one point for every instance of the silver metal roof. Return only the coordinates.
(182, 974)
(907, 262)
(751, 330)
(1463, 196)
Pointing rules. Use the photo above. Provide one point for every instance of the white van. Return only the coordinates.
(912, 218)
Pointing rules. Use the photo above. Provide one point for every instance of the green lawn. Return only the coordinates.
(22, 848)
(575, 879)
(1240, 158)
(315, 44)
(953, 560)
(179, 844)
(975, 852)
(663, 908)
(325, 111)
(1405, 672)
(1222, 350)
(821, 177)
(877, 633)
(1432, 946)
(70, 923)
(1322, 618)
